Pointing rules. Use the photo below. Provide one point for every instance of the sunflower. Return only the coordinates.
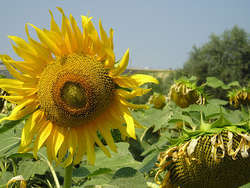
(185, 92)
(158, 100)
(216, 155)
(240, 96)
(71, 89)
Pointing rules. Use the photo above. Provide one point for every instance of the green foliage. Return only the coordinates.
(166, 79)
(134, 163)
(226, 57)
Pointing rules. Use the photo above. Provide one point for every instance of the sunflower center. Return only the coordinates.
(74, 95)
(74, 89)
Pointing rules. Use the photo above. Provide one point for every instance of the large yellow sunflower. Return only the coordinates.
(71, 89)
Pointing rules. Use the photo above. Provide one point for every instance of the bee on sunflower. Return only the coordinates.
(185, 92)
(71, 88)
(214, 156)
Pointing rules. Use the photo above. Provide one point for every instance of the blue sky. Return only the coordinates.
(160, 34)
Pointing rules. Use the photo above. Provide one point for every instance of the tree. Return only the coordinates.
(226, 57)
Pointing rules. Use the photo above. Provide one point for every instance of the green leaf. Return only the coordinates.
(100, 171)
(149, 162)
(118, 160)
(210, 110)
(104, 167)
(150, 136)
(193, 107)
(128, 177)
(9, 142)
(6, 125)
(234, 83)
(9, 125)
(221, 122)
(10, 132)
(80, 172)
(245, 186)
(215, 83)
(185, 118)
(28, 168)
(160, 117)
(102, 179)
(217, 102)
(6, 176)
(21, 155)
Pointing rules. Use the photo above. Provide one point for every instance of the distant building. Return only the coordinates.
(5, 72)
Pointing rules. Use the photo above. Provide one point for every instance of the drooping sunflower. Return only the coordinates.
(71, 89)
(158, 100)
(214, 156)
(185, 92)
(240, 96)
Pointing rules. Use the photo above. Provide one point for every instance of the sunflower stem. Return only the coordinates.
(51, 169)
(68, 176)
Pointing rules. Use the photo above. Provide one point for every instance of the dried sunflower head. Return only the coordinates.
(158, 100)
(185, 92)
(239, 96)
(217, 155)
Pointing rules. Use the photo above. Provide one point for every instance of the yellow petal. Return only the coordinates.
(122, 65)
(64, 147)
(78, 33)
(12, 83)
(134, 106)
(90, 30)
(130, 124)
(81, 146)
(99, 143)
(58, 139)
(141, 79)
(37, 118)
(90, 148)
(22, 44)
(24, 67)
(21, 110)
(13, 99)
(134, 81)
(49, 145)
(42, 51)
(53, 24)
(46, 40)
(67, 31)
(72, 144)
(26, 138)
(134, 93)
(18, 75)
(111, 33)
(104, 36)
(42, 136)
(108, 137)
(125, 82)
(31, 126)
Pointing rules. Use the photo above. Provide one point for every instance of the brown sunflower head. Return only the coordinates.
(209, 161)
(239, 97)
(184, 92)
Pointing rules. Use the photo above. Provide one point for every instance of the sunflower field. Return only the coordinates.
(157, 157)
(73, 115)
